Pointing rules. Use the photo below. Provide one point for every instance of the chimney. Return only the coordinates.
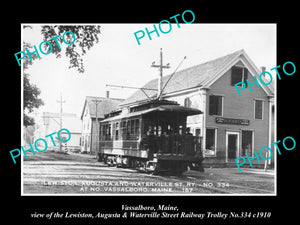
(107, 94)
(263, 69)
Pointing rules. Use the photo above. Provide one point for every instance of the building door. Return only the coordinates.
(85, 143)
(232, 145)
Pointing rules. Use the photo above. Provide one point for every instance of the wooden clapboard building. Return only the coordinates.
(94, 110)
(230, 126)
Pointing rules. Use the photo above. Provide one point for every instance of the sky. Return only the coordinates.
(117, 58)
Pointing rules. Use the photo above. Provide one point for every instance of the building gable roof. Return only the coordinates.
(202, 75)
(105, 106)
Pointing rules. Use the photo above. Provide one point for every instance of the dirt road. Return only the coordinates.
(53, 173)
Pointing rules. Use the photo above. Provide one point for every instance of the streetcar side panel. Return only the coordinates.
(153, 136)
(122, 138)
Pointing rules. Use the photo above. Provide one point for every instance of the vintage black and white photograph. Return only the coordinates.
(142, 109)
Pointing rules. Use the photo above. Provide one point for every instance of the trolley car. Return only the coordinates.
(152, 136)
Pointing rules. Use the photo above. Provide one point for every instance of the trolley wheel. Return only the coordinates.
(162, 167)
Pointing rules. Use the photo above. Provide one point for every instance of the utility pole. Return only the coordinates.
(96, 101)
(61, 114)
(161, 67)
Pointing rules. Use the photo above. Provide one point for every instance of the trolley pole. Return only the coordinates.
(161, 67)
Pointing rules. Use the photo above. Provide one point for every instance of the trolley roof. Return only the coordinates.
(162, 108)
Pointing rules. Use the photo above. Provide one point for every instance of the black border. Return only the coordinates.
(19, 208)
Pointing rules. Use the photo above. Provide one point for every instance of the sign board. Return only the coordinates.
(232, 121)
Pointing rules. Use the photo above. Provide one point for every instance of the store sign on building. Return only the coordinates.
(232, 121)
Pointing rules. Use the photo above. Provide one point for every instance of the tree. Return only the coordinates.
(31, 100)
(31, 92)
(29, 134)
(86, 37)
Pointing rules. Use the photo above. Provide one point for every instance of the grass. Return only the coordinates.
(55, 156)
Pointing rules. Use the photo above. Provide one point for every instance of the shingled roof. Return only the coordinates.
(195, 76)
(105, 106)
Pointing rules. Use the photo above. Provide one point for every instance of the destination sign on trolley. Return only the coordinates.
(232, 121)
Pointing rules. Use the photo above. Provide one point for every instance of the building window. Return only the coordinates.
(258, 109)
(247, 143)
(239, 74)
(210, 148)
(187, 102)
(215, 105)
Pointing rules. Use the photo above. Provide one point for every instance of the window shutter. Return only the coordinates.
(233, 75)
(212, 104)
(258, 109)
(245, 76)
(219, 105)
(236, 75)
(215, 105)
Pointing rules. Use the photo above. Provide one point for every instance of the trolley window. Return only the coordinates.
(117, 131)
(123, 130)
